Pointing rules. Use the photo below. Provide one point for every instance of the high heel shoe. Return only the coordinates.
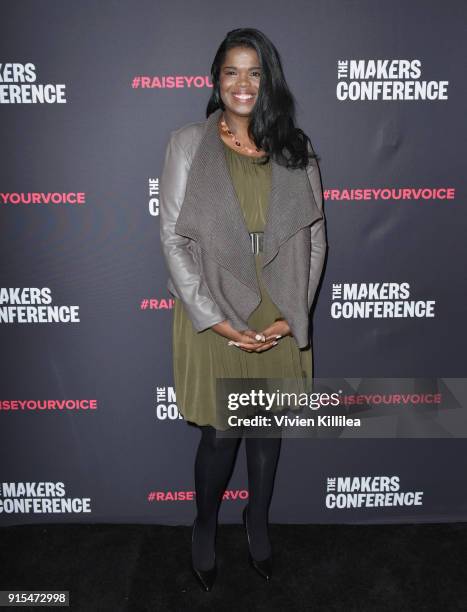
(206, 578)
(264, 567)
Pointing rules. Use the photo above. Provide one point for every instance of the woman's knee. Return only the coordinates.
(215, 441)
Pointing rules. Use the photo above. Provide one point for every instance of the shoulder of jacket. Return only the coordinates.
(188, 136)
(313, 162)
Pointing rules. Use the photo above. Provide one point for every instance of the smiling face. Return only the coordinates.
(239, 80)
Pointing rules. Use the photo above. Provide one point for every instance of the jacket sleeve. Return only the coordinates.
(317, 232)
(183, 268)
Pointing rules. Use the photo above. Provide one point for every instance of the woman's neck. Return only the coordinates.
(238, 125)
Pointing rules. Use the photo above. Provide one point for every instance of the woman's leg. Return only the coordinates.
(213, 466)
(262, 457)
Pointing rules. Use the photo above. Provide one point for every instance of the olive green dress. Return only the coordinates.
(201, 357)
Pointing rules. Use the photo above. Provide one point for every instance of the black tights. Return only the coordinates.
(213, 467)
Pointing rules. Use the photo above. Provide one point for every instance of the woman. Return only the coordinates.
(242, 232)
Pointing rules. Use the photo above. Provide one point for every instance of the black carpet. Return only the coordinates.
(316, 567)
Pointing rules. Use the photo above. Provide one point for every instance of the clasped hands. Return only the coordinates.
(247, 338)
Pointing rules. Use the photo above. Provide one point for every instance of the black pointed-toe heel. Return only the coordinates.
(206, 578)
(264, 567)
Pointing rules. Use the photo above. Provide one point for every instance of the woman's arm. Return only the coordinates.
(183, 268)
(317, 233)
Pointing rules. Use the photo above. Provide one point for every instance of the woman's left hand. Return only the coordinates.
(278, 328)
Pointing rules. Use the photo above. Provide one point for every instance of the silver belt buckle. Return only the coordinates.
(256, 239)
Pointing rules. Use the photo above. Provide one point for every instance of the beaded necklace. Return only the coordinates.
(226, 130)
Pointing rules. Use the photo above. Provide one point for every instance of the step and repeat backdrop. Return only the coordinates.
(89, 94)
